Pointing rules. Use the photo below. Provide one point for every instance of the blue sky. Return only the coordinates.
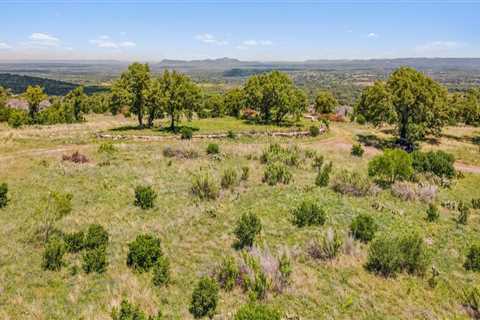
(252, 30)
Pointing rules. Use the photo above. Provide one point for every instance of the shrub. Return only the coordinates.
(144, 252)
(308, 213)
(393, 253)
(432, 213)
(227, 273)
(204, 186)
(363, 227)
(323, 175)
(186, 133)
(231, 134)
(475, 202)
(129, 311)
(17, 118)
(254, 311)
(352, 183)
(357, 150)
(245, 173)
(95, 260)
(213, 148)
(277, 172)
(392, 165)
(107, 148)
(161, 271)
(248, 227)
(204, 298)
(275, 153)
(53, 254)
(327, 247)
(314, 131)
(439, 163)
(74, 242)
(473, 258)
(464, 212)
(145, 197)
(471, 301)
(318, 162)
(361, 119)
(96, 237)
(3, 195)
(229, 178)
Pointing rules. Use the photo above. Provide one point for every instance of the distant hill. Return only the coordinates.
(19, 83)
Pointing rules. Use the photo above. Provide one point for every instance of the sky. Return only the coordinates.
(265, 30)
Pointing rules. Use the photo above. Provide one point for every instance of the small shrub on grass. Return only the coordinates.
(161, 272)
(314, 131)
(357, 150)
(309, 213)
(363, 227)
(323, 175)
(275, 153)
(352, 183)
(3, 195)
(464, 212)
(145, 197)
(318, 162)
(255, 311)
(213, 148)
(392, 165)
(475, 202)
(74, 242)
(231, 134)
(247, 228)
(392, 253)
(361, 119)
(471, 301)
(229, 178)
(327, 247)
(227, 273)
(75, 157)
(95, 237)
(310, 153)
(107, 148)
(128, 311)
(439, 163)
(53, 254)
(204, 298)
(144, 252)
(204, 186)
(245, 173)
(186, 133)
(473, 258)
(95, 260)
(432, 213)
(277, 172)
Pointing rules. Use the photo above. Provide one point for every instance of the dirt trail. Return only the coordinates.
(39, 152)
(467, 168)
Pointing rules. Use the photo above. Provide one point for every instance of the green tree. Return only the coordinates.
(274, 96)
(234, 102)
(34, 96)
(77, 99)
(132, 88)
(215, 105)
(325, 102)
(414, 102)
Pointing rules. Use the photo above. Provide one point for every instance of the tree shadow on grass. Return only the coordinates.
(176, 129)
(372, 140)
(138, 128)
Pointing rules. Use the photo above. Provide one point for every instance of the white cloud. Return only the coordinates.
(210, 39)
(372, 35)
(253, 43)
(438, 47)
(104, 41)
(38, 39)
(242, 47)
(3, 45)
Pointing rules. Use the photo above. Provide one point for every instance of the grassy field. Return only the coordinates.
(197, 234)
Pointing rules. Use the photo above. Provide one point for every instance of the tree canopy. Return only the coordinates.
(325, 102)
(77, 98)
(34, 96)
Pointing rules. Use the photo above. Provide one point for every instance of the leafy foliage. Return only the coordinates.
(186, 133)
(3, 195)
(95, 237)
(145, 197)
(204, 186)
(473, 258)
(357, 150)
(323, 175)
(95, 260)
(161, 271)
(213, 148)
(247, 228)
(363, 227)
(227, 273)
(128, 311)
(204, 298)
(229, 178)
(392, 165)
(314, 131)
(432, 213)
(325, 102)
(275, 173)
(309, 213)
(74, 242)
(439, 163)
(144, 252)
(53, 254)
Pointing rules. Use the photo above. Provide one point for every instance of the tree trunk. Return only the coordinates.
(140, 119)
(172, 123)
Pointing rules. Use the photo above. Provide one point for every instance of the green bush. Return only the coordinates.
(161, 272)
(439, 163)
(308, 213)
(473, 258)
(475, 202)
(392, 165)
(186, 133)
(231, 134)
(323, 175)
(276, 153)
(357, 150)
(204, 298)
(253, 311)
(318, 162)
(145, 197)
(228, 273)
(95, 260)
(213, 148)
(74, 242)
(17, 118)
(247, 228)
(128, 311)
(245, 173)
(53, 254)
(144, 252)
(277, 172)
(363, 227)
(107, 148)
(432, 213)
(96, 237)
(3, 195)
(204, 186)
(464, 212)
(314, 131)
(229, 178)
(361, 119)
(392, 253)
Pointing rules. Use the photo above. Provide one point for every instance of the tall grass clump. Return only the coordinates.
(432, 213)
(227, 273)
(213, 148)
(128, 311)
(161, 271)
(289, 156)
(352, 183)
(256, 311)
(327, 246)
(229, 178)
(145, 197)
(323, 175)
(275, 173)
(53, 254)
(357, 150)
(363, 227)
(204, 186)
(472, 261)
(3, 195)
(95, 260)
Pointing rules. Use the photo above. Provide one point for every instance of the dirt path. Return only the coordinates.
(467, 168)
(40, 152)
